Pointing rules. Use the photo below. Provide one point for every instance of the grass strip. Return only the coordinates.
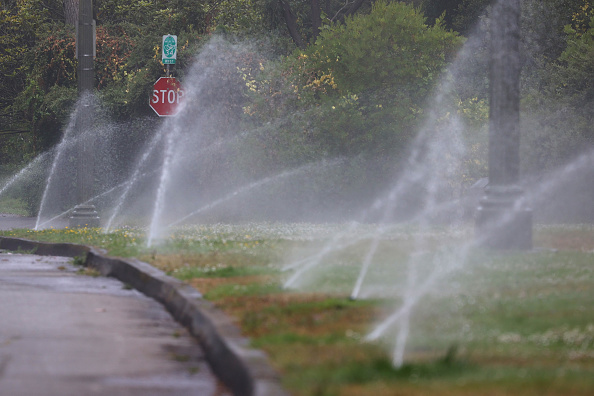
(520, 324)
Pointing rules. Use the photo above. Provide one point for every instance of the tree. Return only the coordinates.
(434, 9)
(71, 12)
(577, 65)
(37, 62)
(21, 24)
(467, 13)
(558, 98)
(363, 84)
(333, 12)
(291, 21)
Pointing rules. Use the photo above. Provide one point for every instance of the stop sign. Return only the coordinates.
(167, 95)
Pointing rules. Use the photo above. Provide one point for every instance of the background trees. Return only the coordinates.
(304, 19)
(363, 83)
(38, 84)
(339, 78)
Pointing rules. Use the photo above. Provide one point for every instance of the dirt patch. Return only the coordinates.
(572, 240)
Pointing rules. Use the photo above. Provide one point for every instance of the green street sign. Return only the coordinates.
(169, 49)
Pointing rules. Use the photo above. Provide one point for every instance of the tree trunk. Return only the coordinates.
(291, 22)
(316, 18)
(71, 12)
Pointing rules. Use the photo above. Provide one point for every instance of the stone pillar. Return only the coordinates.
(503, 220)
(84, 215)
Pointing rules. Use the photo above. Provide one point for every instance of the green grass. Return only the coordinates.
(501, 324)
(124, 243)
(220, 271)
(13, 206)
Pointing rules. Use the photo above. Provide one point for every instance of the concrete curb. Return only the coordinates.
(244, 371)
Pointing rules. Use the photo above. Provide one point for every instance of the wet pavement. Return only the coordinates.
(66, 333)
(9, 221)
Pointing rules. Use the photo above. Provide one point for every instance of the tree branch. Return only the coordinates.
(352, 8)
(13, 131)
(355, 6)
(346, 4)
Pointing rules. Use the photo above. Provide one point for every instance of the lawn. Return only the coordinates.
(13, 206)
(477, 323)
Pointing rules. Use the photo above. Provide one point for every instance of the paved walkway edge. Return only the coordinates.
(244, 371)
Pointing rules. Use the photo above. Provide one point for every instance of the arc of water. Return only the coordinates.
(253, 185)
(388, 203)
(408, 304)
(101, 195)
(165, 169)
(412, 298)
(420, 290)
(401, 338)
(399, 348)
(133, 179)
(312, 264)
(68, 139)
(584, 161)
(429, 204)
(23, 171)
(167, 163)
(214, 145)
(364, 268)
(377, 204)
(403, 315)
(316, 259)
(371, 253)
(333, 244)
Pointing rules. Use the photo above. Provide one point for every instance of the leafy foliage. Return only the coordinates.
(359, 89)
(21, 22)
(362, 84)
(559, 115)
(578, 62)
(447, 9)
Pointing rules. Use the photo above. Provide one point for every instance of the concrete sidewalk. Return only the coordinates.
(63, 333)
(245, 371)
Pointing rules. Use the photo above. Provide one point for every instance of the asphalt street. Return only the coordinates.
(64, 332)
(8, 221)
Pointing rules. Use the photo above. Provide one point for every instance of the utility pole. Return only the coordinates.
(503, 220)
(84, 215)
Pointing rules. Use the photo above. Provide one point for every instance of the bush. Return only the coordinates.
(364, 83)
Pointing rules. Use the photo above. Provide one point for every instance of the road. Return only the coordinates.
(66, 333)
(8, 221)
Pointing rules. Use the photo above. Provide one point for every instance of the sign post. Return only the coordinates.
(84, 214)
(167, 96)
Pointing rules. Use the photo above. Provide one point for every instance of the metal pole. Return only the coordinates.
(85, 215)
(84, 46)
(503, 220)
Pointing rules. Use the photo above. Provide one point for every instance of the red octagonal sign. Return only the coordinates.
(167, 95)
